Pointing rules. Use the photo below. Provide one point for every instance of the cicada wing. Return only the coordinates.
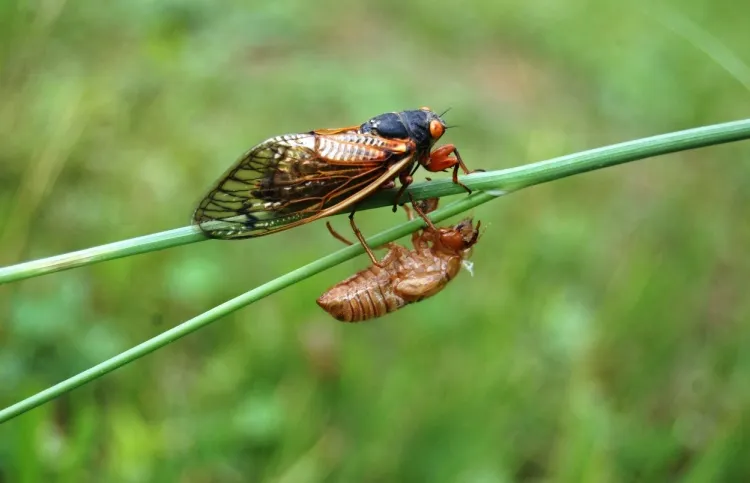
(336, 130)
(286, 181)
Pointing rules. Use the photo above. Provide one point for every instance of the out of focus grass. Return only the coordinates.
(603, 337)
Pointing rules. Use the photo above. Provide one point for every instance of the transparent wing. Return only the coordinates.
(288, 179)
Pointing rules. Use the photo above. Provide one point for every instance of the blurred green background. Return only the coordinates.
(604, 336)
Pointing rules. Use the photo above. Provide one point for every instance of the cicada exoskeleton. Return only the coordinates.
(403, 276)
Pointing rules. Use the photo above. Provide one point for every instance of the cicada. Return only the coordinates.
(403, 276)
(293, 179)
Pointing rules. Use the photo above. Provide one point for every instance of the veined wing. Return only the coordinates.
(292, 179)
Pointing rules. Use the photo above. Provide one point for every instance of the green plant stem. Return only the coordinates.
(235, 304)
(513, 178)
(492, 185)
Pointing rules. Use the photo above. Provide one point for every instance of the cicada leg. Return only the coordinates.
(344, 240)
(424, 206)
(420, 237)
(422, 214)
(337, 235)
(406, 179)
(416, 235)
(440, 160)
(361, 239)
(428, 205)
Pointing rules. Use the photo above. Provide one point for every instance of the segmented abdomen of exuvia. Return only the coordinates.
(363, 296)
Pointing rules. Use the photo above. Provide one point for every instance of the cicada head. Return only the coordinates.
(459, 239)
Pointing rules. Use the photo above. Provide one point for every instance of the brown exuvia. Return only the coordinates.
(403, 276)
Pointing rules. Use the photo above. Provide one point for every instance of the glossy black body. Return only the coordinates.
(414, 125)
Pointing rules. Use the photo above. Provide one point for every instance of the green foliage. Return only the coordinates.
(601, 339)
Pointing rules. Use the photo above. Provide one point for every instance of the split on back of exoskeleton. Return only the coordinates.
(403, 276)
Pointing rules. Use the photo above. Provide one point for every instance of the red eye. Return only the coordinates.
(436, 129)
